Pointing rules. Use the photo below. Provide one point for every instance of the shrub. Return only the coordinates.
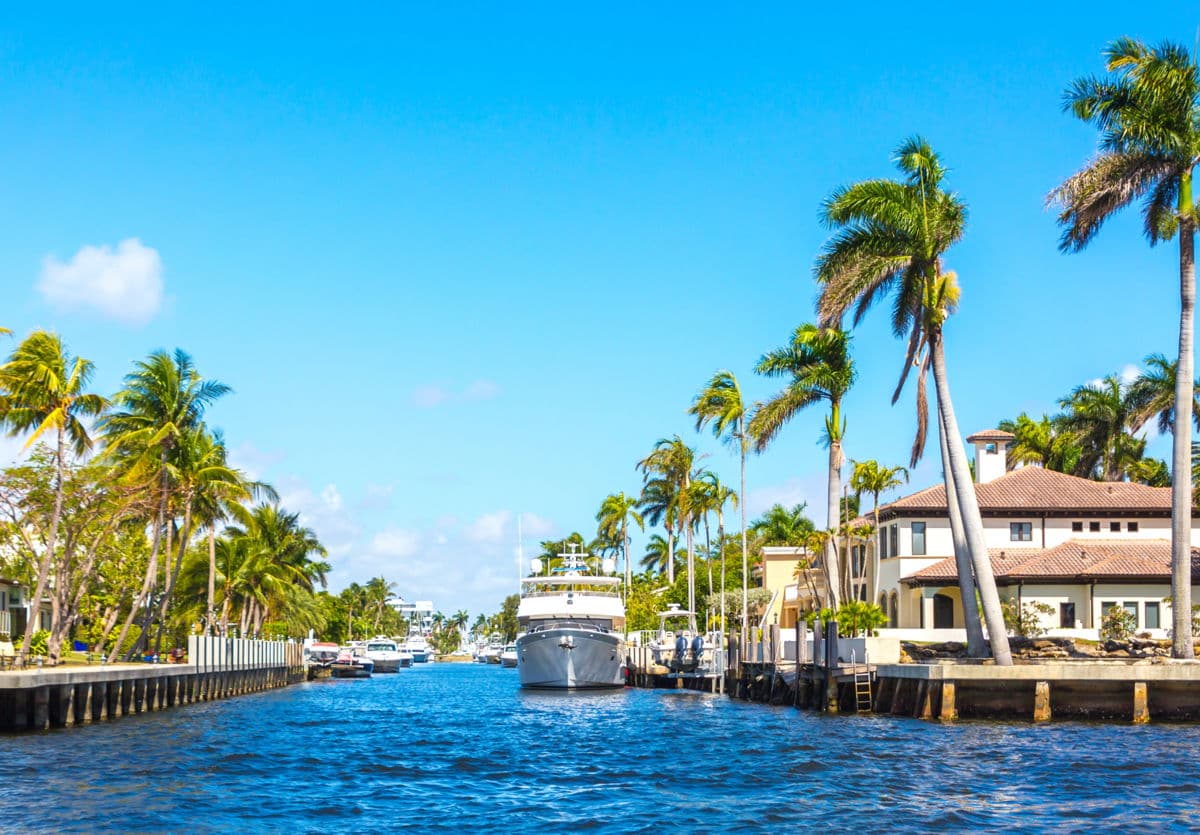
(1118, 624)
(1025, 621)
(40, 643)
(856, 617)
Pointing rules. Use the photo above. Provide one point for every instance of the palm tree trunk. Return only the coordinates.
(212, 578)
(708, 559)
(1181, 468)
(670, 554)
(43, 575)
(169, 589)
(976, 646)
(721, 548)
(875, 561)
(745, 557)
(151, 567)
(691, 570)
(833, 576)
(958, 482)
(625, 550)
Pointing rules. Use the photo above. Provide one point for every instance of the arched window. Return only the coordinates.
(894, 611)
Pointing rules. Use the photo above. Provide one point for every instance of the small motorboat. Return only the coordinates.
(387, 656)
(508, 656)
(319, 657)
(349, 665)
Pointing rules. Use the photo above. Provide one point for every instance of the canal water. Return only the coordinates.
(460, 748)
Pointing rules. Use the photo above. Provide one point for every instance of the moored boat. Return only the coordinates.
(386, 655)
(418, 647)
(508, 656)
(349, 665)
(574, 624)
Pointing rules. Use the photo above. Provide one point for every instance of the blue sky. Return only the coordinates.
(468, 262)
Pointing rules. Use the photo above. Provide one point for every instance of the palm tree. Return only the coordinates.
(1043, 443)
(819, 370)
(614, 516)
(872, 477)
(164, 397)
(1148, 112)
(658, 554)
(658, 504)
(721, 405)
(783, 526)
(42, 389)
(1152, 395)
(671, 463)
(890, 238)
(1100, 420)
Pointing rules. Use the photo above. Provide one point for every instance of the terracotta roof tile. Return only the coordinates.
(1030, 488)
(1111, 559)
(991, 435)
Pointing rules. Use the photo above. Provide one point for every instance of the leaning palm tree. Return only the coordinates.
(1147, 110)
(614, 516)
(721, 404)
(818, 368)
(890, 237)
(43, 389)
(164, 397)
(658, 554)
(872, 477)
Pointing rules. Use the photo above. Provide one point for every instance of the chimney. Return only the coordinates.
(991, 454)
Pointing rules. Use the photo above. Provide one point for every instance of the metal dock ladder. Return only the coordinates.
(862, 684)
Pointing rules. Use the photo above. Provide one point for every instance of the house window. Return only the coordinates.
(1066, 615)
(883, 542)
(1115, 527)
(1152, 620)
(1077, 527)
(1094, 527)
(894, 536)
(1020, 531)
(990, 448)
(1105, 607)
(918, 538)
(1131, 527)
(1132, 608)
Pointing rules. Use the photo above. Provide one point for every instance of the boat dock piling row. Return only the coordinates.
(218, 668)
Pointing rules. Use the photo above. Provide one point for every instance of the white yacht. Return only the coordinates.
(573, 625)
(508, 656)
(387, 655)
(493, 650)
(419, 647)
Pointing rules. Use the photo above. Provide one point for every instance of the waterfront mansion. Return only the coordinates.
(1079, 546)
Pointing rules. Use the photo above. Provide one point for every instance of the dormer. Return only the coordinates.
(991, 454)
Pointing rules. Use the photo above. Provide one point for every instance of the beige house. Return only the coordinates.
(1076, 545)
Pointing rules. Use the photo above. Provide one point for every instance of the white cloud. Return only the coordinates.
(253, 461)
(481, 390)
(124, 283)
(429, 396)
(490, 527)
(534, 525)
(395, 542)
(808, 488)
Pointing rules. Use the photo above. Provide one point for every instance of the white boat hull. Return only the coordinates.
(571, 658)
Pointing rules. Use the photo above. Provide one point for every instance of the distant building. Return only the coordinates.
(418, 613)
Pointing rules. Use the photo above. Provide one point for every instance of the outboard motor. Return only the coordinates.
(681, 646)
(697, 647)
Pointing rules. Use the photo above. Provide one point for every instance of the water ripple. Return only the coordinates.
(460, 747)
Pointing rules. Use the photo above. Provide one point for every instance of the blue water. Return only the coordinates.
(459, 747)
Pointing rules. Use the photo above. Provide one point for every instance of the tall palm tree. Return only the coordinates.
(659, 504)
(872, 477)
(780, 525)
(43, 389)
(658, 554)
(819, 369)
(616, 512)
(1147, 110)
(163, 397)
(890, 237)
(721, 405)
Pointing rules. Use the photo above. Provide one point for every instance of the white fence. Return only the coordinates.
(6, 621)
(220, 654)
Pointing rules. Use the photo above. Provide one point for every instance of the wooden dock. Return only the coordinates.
(68, 696)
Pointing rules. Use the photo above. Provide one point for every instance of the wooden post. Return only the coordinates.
(924, 706)
(61, 696)
(1041, 702)
(949, 710)
(41, 707)
(20, 709)
(1141, 705)
(83, 704)
(831, 663)
(99, 701)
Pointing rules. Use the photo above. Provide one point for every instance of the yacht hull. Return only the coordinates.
(570, 658)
